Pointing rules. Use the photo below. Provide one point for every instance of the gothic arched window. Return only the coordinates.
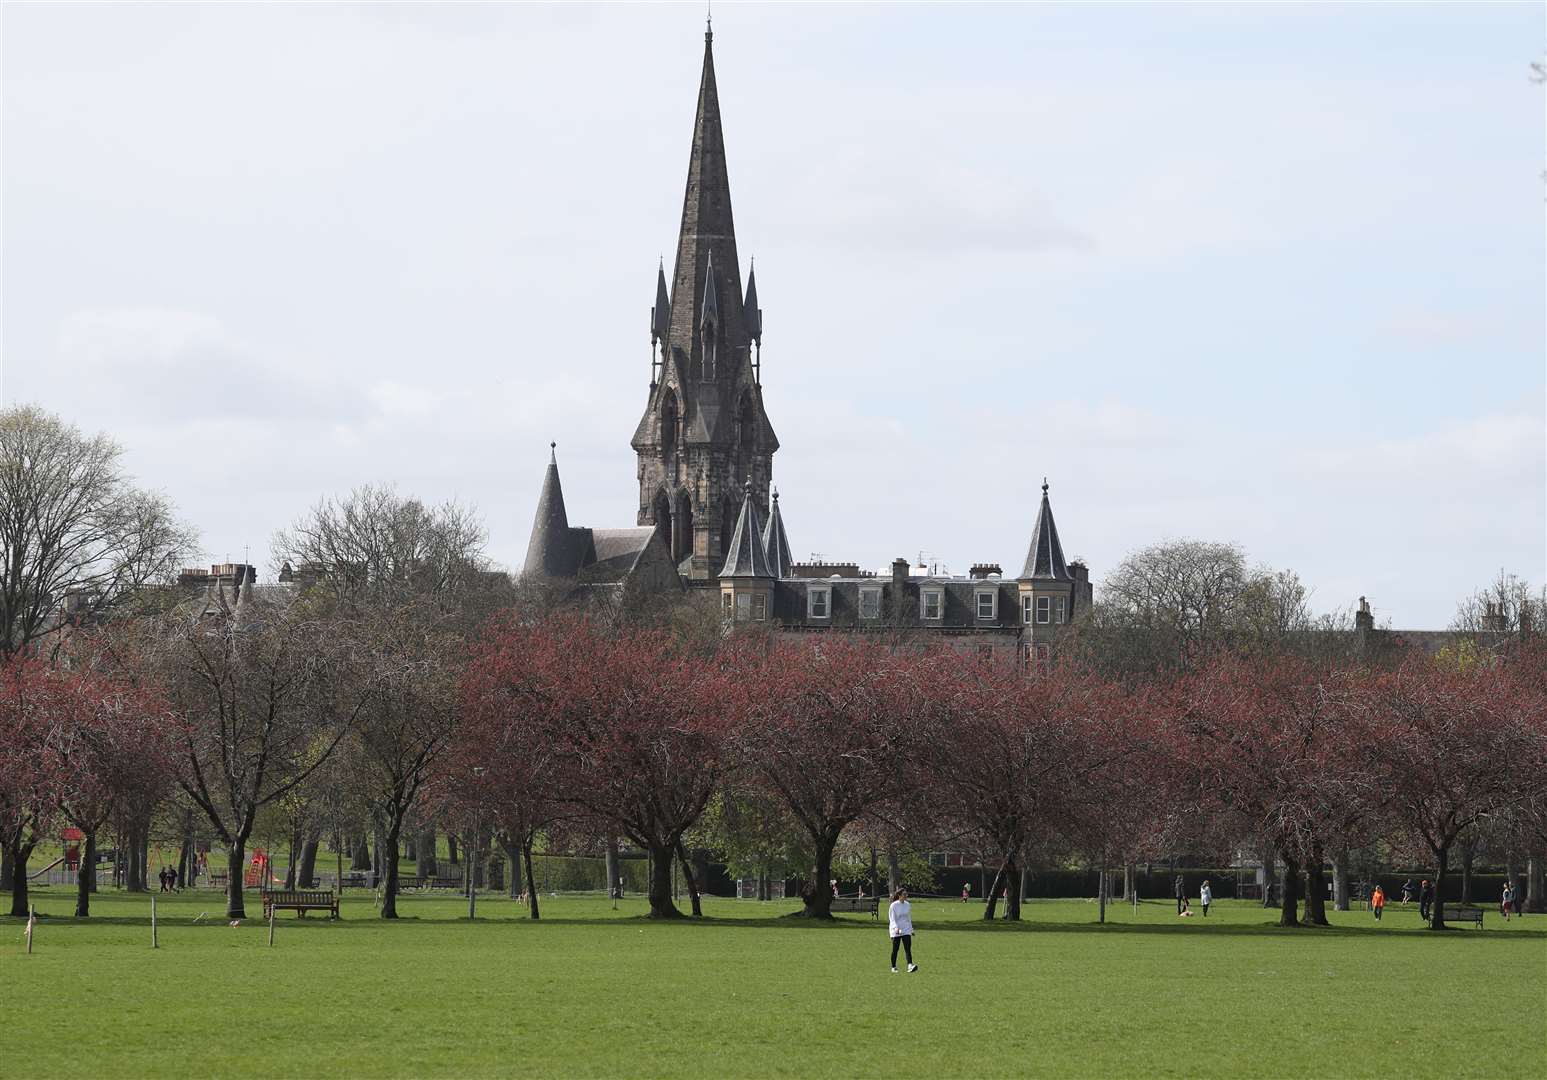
(669, 424)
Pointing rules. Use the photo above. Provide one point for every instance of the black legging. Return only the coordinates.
(906, 941)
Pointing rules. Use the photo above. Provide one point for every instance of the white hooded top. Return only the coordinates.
(900, 915)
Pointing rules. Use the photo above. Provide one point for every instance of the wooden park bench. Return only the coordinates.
(300, 901)
(1460, 913)
(434, 883)
(871, 904)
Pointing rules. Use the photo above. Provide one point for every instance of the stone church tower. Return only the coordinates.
(704, 436)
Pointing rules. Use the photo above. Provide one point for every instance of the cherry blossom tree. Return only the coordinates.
(637, 726)
(835, 731)
(1449, 745)
(30, 699)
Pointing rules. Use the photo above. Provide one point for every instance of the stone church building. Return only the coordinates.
(708, 516)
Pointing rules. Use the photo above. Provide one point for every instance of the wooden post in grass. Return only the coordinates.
(32, 917)
(153, 944)
(271, 927)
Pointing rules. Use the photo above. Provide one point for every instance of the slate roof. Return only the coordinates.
(555, 550)
(746, 556)
(1045, 556)
(775, 542)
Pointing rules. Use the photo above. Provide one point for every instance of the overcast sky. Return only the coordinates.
(1266, 274)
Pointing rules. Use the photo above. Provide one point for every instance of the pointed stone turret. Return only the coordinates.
(660, 314)
(747, 579)
(1045, 556)
(754, 314)
(746, 556)
(551, 551)
(775, 542)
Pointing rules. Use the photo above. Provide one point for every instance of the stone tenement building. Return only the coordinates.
(705, 452)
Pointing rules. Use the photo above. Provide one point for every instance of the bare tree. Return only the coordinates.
(1171, 605)
(78, 537)
(267, 688)
(414, 580)
(376, 547)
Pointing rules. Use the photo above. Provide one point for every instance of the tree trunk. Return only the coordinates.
(991, 901)
(818, 894)
(425, 850)
(611, 869)
(893, 872)
(1268, 870)
(1340, 881)
(183, 851)
(1130, 872)
(86, 875)
(512, 855)
(1437, 910)
(1101, 895)
(496, 871)
(359, 853)
(1290, 913)
(20, 886)
(19, 855)
(1467, 852)
(5, 868)
(136, 880)
(1536, 887)
(451, 848)
(1012, 891)
(236, 856)
(531, 881)
(661, 906)
(293, 856)
(308, 871)
(390, 881)
(692, 880)
(1315, 891)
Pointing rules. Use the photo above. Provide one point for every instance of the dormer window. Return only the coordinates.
(870, 602)
(932, 604)
(987, 601)
(819, 602)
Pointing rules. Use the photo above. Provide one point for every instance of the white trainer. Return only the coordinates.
(911, 968)
(894, 971)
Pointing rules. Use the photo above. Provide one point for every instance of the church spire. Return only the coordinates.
(707, 231)
(1045, 556)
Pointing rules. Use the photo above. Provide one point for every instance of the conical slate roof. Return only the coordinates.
(551, 551)
(1045, 557)
(775, 543)
(746, 556)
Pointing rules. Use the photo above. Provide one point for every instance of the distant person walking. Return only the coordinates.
(1407, 891)
(1507, 900)
(1181, 894)
(1205, 897)
(1425, 899)
(1378, 902)
(900, 921)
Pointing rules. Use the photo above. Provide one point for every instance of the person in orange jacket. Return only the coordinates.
(1378, 901)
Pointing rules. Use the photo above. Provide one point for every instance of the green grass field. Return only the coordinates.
(589, 991)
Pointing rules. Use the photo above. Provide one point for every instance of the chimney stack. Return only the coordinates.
(899, 575)
(1364, 619)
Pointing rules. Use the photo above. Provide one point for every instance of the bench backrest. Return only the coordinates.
(299, 896)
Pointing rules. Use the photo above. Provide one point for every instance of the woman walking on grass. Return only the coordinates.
(900, 919)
